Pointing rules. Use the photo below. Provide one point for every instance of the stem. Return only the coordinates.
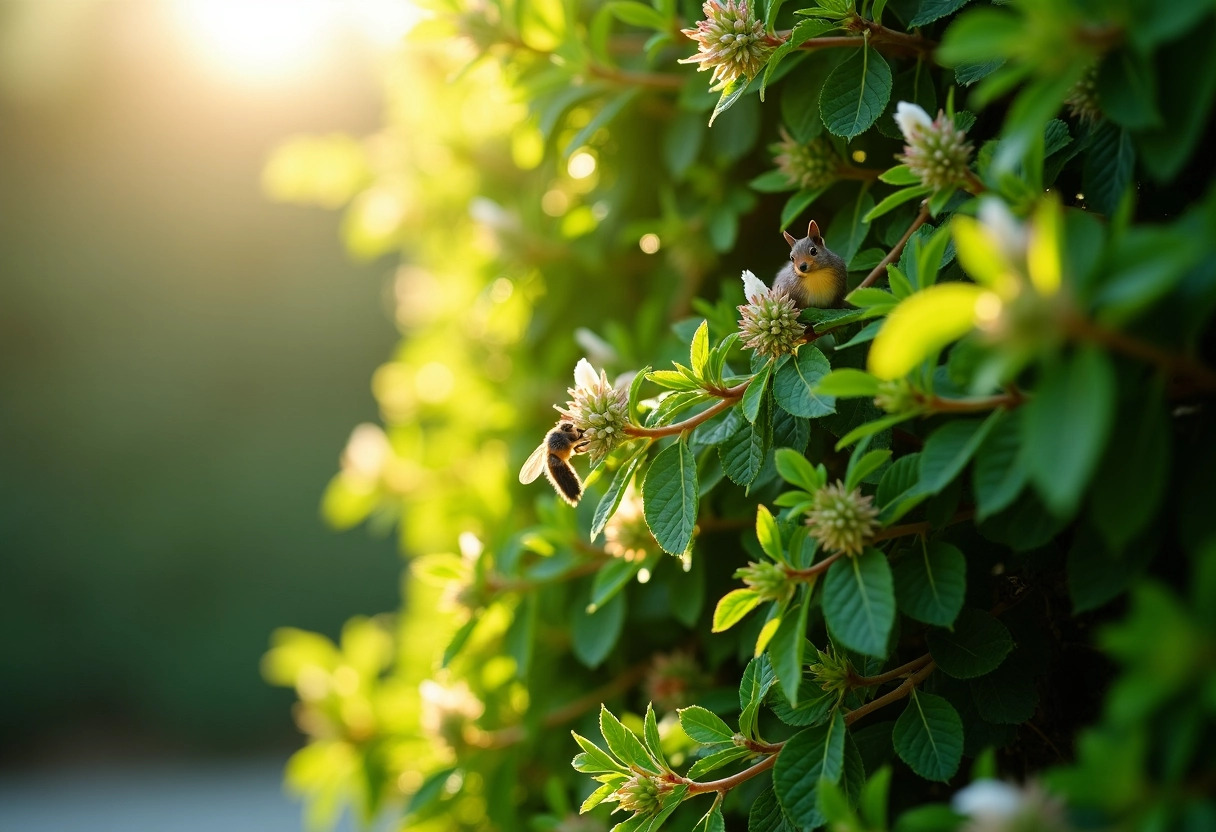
(1120, 342)
(1009, 400)
(920, 528)
(728, 783)
(814, 569)
(881, 38)
(890, 675)
(893, 696)
(893, 254)
(730, 397)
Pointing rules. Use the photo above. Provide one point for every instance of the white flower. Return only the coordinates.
(1003, 228)
(911, 119)
(753, 287)
(987, 799)
(584, 374)
(598, 410)
(997, 806)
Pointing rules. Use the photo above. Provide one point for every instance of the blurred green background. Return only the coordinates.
(181, 362)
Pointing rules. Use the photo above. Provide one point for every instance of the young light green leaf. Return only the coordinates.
(856, 93)
(698, 351)
(597, 797)
(899, 175)
(928, 736)
(594, 759)
(669, 497)
(977, 645)
(733, 606)
(861, 468)
(794, 385)
(731, 94)
(704, 726)
(714, 761)
(768, 534)
(624, 743)
(848, 383)
(921, 325)
(930, 583)
(859, 602)
(797, 470)
(892, 201)
(654, 743)
(807, 756)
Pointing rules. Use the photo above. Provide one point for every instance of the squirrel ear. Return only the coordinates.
(789, 238)
(812, 230)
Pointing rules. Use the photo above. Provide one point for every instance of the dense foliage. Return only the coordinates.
(942, 557)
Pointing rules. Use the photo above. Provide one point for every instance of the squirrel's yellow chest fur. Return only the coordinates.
(821, 287)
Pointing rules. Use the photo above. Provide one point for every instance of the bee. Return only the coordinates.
(553, 457)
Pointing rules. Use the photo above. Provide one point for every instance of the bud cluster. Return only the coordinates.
(730, 41)
(642, 794)
(936, 152)
(897, 396)
(811, 165)
(769, 320)
(832, 672)
(598, 409)
(766, 579)
(842, 521)
(1082, 99)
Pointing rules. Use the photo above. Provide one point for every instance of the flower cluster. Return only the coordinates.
(766, 579)
(730, 41)
(642, 794)
(937, 152)
(769, 321)
(598, 409)
(842, 521)
(812, 165)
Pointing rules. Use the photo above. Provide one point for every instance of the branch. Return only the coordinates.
(880, 37)
(893, 696)
(890, 675)
(1172, 364)
(728, 783)
(893, 254)
(920, 528)
(814, 569)
(1008, 400)
(730, 397)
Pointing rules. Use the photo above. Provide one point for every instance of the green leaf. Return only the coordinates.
(899, 175)
(757, 679)
(611, 579)
(593, 759)
(872, 299)
(797, 470)
(799, 202)
(980, 35)
(604, 116)
(848, 231)
(856, 93)
(873, 802)
(711, 762)
(809, 711)
(1131, 479)
(861, 468)
(704, 726)
(624, 744)
(950, 448)
(892, 201)
(802, 32)
(711, 821)
(928, 736)
(999, 476)
(785, 648)
(807, 756)
(698, 351)
(753, 396)
(637, 14)
(731, 94)
(870, 428)
(611, 500)
(1008, 695)
(654, 743)
(733, 606)
(794, 385)
(899, 489)
(859, 602)
(772, 182)
(743, 453)
(1097, 575)
(931, 10)
(921, 325)
(669, 495)
(1188, 72)
(977, 645)
(848, 383)
(1107, 172)
(1065, 425)
(931, 582)
(766, 815)
(594, 634)
(597, 797)
(768, 534)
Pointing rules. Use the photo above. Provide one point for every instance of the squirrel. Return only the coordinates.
(814, 276)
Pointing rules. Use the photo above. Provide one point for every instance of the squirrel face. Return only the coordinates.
(807, 254)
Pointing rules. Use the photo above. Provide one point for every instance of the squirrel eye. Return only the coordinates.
(814, 251)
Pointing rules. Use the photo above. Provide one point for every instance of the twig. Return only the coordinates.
(893, 254)
(920, 528)
(1120, 342)
(812, 570)
(890, 675)
(893, 696)
(731, 397)
(1010, 399)
(728, 783)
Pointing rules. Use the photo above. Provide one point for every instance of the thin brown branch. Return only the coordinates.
(920, 528)
(893, 254)
(1172, 364)
(728, 783)
(1008, 400)
(893, 696)
(812, 570)
(890, 675)
(731, 397)
(880, 37)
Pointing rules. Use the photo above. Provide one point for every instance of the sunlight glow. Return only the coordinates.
(272, 40)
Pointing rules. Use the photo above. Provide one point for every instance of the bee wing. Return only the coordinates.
(535, 465)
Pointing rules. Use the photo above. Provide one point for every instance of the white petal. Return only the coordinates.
(753, 287)
(1003, 227)
(911, 119)
(585, 375)
(988, 799)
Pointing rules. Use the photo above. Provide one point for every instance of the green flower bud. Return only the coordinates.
(767, 579)
(842, 521)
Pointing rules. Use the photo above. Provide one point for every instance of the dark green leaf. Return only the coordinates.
(593, 635)
(859, 602)
(968, 73)
(1097, 575)
(856, 93)
(798, 203)
(795, 382)
(808, 755)
(1008, 695)
(1108, 168)
(931, 10)
(1130, 483)
(930, 583)
(611, 500)
(977, 645)
(1064, 427)
(757, 679)
(766, 815)
(753, 396)
(1187, 70)
(928, 736)
(813, 708)
(999, 475)
(949, 449)
(804, 31)
(785, 648)
(669, 495)
(743, 454)
(847, 231)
